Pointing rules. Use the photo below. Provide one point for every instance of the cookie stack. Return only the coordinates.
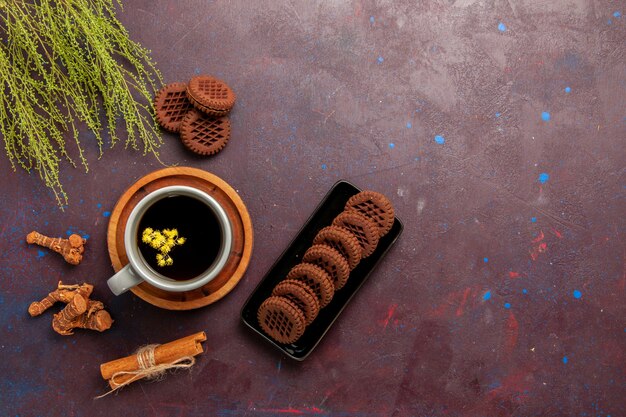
(198, 111)
(325, 268)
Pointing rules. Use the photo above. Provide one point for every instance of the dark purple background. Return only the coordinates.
(473, 313)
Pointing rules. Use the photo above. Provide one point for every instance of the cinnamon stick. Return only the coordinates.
(166, 353)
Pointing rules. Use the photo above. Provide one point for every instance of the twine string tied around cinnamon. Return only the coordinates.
(148, 368)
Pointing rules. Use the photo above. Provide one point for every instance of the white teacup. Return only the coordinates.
(139, 270)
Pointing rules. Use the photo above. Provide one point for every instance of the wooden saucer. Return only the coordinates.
(240, 254)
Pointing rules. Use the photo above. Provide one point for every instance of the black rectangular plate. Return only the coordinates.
(323, 216)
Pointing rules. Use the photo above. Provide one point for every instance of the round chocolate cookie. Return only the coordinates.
(374, 206)
(331, 261)
(301, 295)
(208, 111)
(171, 105)
(317, 279)
(210, 95)
(281, 319)
(204, 135)
(342, 241)
(362, 228)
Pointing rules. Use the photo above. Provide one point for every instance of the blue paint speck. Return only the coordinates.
(568, 90)
(324, 166)
(498, 114)
(494, 385)
(485, 260)
(544, 177)
(409, 125)
(106, 213)
(40, 254)
(380, 59)
(565, 359)
(577, 294)
(525, 291)
(392, 145)
(533, 220)
(99, 205)
(609, 22)
(545, 116)
(501, 27)
(507, 305)
(440, 139)
(617, 14)
(197, 71)
(372, 20)
(487, 295)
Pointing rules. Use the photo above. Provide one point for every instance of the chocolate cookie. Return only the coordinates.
(364, 229)
(301, 295)
(210, 95)
(317, 279)
(331, 261)
(342, 241)
(374, 206)
(281, 319)
(203, 134)
(171, 105)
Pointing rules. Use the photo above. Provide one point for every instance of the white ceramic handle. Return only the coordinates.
(124, 280)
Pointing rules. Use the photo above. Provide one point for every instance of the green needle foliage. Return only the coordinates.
(66, 64)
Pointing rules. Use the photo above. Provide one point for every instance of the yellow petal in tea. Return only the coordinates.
(163, 241)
